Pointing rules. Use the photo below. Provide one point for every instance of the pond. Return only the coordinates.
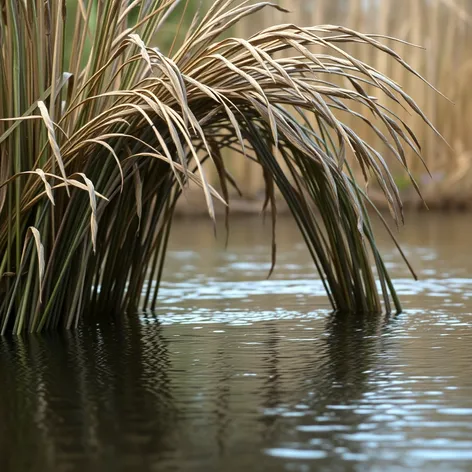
(235, 372)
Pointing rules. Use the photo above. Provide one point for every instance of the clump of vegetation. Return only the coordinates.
(95, 151)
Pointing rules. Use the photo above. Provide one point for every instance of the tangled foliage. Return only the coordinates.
(96, 150)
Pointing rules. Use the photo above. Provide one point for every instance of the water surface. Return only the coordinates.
(234, 372)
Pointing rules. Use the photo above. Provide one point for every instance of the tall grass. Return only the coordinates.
(96, 149)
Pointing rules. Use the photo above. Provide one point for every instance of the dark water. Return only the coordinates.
(237, 373)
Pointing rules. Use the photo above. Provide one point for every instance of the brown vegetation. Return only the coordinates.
(96, 148)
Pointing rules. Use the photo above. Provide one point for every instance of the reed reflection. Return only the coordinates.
(96, 399)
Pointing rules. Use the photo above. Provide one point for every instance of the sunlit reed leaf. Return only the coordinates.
(41, 261)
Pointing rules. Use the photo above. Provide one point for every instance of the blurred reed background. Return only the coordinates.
(444, 30)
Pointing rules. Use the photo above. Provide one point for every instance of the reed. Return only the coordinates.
(443, 29)
(98, 143)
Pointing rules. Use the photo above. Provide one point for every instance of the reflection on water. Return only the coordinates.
(235, 372)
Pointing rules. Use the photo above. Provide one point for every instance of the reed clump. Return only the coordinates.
(98, 143)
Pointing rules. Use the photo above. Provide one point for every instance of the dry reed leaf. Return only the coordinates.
(41, 261)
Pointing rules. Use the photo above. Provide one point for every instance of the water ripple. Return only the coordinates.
(233, 372)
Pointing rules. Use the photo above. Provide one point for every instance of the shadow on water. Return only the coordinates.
(103, 398)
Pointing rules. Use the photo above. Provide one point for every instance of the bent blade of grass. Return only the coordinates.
(52, 139)
(41, 260)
